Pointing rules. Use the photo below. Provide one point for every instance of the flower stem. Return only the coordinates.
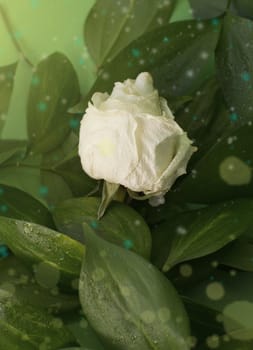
(13, 38)
(120, 195)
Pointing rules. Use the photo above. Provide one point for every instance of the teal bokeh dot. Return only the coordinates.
(128, 243)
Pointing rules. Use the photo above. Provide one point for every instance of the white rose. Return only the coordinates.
(130, 138)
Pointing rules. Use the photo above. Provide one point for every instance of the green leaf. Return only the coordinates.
(238, 255)
(243, 8)
(121, 224)
(72, 173)
(22, 173)
(163, 52)
(54, 188)
(83, 332)
(204, 9)
(223, 292)
(118, 24)
(198, 117)
(25, 327)
(234, 66)
(113, 282)
(228, 174)
(54, 89)
(11, 148)
(62, 173)
(198, 233)
(17, 278)
(203, 319)
(6, 86)
(60, 255)
(74, 348)
(20, 205)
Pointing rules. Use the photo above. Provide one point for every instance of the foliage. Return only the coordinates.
(72, 282)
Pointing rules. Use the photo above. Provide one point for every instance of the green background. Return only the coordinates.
(43, 27)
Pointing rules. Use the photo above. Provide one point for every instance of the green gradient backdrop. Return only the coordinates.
(42, 27)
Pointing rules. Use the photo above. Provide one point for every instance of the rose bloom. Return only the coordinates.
(131, 138)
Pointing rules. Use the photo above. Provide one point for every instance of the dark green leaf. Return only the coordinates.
(203, 319)
(75, 348)
(10, 148)
(16, 277)
(199, 115)
(179, 56)
(118, 24)
(120, 224)
(26, 327)
(238, 255)
(243, 8)
(72, 173)
(127, 301)
(63, 175)
(197, 233)
(23, 173)
(54, 89)
(234, 66)
(230, 294)
(6, 87)
(83, 332)
(54, 188)
(55, 252)
(204, 9)
(223, 172)
(20, 205)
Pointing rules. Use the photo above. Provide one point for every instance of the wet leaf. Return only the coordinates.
(163, 52)
(119, 23)
(204, 9)
(20, 205)
(121, 224)
(200, 232)
(124, 312)
(235, 71)
(36, 244)
(54, 89)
